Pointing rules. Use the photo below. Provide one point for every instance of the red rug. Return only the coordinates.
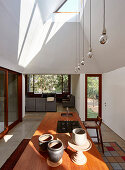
(12, 160)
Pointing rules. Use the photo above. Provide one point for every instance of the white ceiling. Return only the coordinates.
(26, 27)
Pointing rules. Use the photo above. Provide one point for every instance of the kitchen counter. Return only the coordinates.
(32, 159)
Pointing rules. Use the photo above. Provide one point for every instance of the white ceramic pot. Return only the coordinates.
(79, 136)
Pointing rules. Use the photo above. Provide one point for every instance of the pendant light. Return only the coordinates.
(83, 61)
(103, 38)
(76, 69)
(90, 54)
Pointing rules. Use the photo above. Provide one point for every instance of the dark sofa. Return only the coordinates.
(70, 102)
(40, 104)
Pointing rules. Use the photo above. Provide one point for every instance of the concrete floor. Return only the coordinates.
(26, 129)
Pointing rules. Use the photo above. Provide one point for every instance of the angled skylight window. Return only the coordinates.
(70, 6)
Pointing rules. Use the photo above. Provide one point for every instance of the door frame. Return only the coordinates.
(6, 101)
(100, 95)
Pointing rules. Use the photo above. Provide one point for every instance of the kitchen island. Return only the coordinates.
(33, 159)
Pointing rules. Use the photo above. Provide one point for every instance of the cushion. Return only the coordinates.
(50, 99)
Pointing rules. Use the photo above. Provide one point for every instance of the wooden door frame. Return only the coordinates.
(100, 95)
(6, 101)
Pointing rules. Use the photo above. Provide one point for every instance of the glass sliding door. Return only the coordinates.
(12, 97)
(2, 100)
(10, 100)
(93, 96)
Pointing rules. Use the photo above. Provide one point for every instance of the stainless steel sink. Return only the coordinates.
(66, 114)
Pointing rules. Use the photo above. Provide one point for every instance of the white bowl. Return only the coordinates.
(79, 136)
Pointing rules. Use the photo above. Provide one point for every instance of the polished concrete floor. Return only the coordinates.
(26, 129)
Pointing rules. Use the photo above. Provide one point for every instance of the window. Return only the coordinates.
(38, 84)
(10, 100)
(30, 83)
(93, 93)
(69, 6)
(65, 84)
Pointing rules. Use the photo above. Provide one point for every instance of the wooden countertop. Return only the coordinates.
(32, 159)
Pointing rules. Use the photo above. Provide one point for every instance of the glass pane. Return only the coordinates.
(38, 84)
(12, 98)
(2, 100)
(47, 84)
(92, 97)
(70, 6)
(30, 83)
(65, 84)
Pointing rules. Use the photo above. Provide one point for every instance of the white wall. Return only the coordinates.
(78, 90)
(9, 65)
(75, 81)
(82, 97)
(114, 96)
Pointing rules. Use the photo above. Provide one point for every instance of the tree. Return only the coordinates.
(48, 83)
(92, 88)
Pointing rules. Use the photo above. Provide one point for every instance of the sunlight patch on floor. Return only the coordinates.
(7, 137)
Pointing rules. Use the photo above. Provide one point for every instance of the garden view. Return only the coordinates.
(92, 97)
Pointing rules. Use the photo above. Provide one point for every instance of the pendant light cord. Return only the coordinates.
(90, 25)
(76, 40)
(79, 36)
(104, 29)
(83, 31)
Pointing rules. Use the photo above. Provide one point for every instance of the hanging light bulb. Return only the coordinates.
(78, 67)
(103, 38)
(83, 62)
(90, 54)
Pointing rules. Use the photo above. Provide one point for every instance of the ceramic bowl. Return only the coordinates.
(79, 136)
(44, 140)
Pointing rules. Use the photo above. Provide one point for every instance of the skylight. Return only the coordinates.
(70, 6)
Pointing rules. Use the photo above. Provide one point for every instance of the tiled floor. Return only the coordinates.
(114, 155)
(27, 128)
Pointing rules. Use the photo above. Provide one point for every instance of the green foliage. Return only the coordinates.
(92, 87)
(89, 110)
(91, 113)
(65, 83)
(48, 83)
